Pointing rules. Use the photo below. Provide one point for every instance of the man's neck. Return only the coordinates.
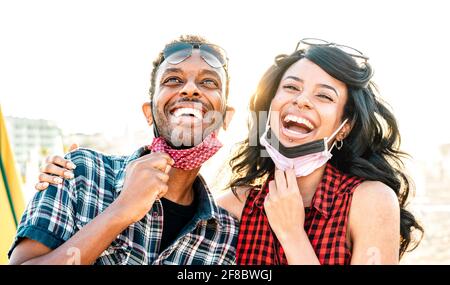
(180, 186)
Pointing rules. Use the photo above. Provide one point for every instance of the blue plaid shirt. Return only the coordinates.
(55, 215)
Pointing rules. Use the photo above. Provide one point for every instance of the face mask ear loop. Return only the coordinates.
(327, 140)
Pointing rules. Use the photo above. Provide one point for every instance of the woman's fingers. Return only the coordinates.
(73, 147)
(41, 186)
(58, 160)
(43, 177)
(291, 179)
(280, 180)
(56, 170)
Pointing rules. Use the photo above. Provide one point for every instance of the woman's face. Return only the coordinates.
(309, 104)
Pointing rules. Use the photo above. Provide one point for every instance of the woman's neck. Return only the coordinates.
(308, 185)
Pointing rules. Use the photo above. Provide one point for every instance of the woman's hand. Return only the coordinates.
(286, 213)
(284, 205)
(55, 170)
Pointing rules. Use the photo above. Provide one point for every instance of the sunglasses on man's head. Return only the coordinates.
(304, 43)
(213, 55)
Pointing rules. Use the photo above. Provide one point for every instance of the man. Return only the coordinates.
(151, 207)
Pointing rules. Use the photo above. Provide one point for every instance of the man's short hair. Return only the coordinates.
(186, 39)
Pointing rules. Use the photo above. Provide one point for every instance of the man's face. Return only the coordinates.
(189, 100)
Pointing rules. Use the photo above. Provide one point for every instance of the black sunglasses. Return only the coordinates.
(212, 54)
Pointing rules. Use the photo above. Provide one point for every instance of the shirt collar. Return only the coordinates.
(323, 197)
(207, 207)
(326, 192)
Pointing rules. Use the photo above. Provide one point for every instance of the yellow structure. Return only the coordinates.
(11, 199)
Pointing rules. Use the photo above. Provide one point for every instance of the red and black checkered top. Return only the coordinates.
(325, 223)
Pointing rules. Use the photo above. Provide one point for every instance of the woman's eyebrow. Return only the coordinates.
(329, 87)
(320, 84)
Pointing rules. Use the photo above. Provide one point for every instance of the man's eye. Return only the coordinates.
(173, 80)
(210, 83)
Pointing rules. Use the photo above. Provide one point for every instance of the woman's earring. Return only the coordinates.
(339, 144)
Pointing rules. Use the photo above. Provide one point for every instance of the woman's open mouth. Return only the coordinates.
(296, 127)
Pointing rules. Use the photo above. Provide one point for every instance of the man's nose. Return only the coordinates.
(190, 89)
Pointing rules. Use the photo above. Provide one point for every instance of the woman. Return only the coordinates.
(329, 188)
(298, 206)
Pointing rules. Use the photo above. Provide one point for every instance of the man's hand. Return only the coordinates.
(145, 181)
(55, 170)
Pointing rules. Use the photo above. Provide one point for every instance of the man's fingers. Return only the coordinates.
(163, 176)
(41, 186)
(158, 161)
(280, 179)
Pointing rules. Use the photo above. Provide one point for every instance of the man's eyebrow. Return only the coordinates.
(321, 85)
(172, 70)
(209, 72)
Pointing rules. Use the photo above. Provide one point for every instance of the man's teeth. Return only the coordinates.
(188, 111)
(299, 120)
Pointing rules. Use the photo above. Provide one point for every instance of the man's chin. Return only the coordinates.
(186, 137)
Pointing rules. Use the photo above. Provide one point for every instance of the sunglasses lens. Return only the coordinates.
(213, 56)
(177, 52)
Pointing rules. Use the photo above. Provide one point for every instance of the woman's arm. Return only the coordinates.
(374, 224)
(286, 213)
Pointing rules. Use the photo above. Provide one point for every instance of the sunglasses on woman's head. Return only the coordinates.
(213, 55)
(306, 42)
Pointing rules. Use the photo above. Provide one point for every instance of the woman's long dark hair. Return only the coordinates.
(370, 151)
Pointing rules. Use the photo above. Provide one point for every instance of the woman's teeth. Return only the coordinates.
(299, 120)
(188, 111)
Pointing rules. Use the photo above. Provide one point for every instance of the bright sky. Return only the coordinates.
(86, 64)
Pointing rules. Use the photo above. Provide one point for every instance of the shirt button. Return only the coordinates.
(155, 215)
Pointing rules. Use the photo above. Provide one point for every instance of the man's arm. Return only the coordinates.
(83, 248)
(146, 178)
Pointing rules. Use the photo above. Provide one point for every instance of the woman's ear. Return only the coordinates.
(229, 113)
(346, 129)
(147, 110)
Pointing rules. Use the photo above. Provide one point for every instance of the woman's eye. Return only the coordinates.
(291, 87)
(326, 97)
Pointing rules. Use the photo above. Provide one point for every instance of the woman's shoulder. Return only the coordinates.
(374, 203)
(234, 202)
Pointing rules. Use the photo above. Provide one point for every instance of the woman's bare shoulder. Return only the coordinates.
(233, 203)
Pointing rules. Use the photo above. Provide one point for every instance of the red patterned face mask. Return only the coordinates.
(191, 158)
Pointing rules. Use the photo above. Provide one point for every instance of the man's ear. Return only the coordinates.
(229, 113)
(147, 110)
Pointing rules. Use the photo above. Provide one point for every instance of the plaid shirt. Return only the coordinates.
(55, 215)
(325, 223)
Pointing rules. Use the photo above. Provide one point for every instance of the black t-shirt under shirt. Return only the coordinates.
(176, 217)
